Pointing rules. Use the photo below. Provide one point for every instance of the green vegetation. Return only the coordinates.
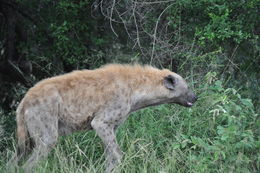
(219, 134)
(213, 43)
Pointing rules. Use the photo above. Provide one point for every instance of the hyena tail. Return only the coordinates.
(24, 142)
(23, 139)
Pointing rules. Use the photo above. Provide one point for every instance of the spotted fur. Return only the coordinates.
(98, 99)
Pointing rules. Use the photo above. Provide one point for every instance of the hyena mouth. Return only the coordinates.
(185, 103)
(191, 100)
(189, 104)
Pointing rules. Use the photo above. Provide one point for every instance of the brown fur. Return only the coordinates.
(100, 99)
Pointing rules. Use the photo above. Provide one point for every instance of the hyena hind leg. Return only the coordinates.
(43, 130)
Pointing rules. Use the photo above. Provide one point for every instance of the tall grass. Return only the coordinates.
(219, 134)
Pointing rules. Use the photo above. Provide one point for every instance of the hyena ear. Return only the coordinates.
(169, 82)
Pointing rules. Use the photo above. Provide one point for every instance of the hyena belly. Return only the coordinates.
(65, 127)
(72, 119)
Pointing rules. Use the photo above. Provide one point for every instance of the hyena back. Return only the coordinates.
(98, 99)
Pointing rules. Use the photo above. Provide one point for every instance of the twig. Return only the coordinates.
(111, 15)
(155, 31)
(155, 2)
(137, 29)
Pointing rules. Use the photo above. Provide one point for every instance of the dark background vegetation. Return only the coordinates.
(213, 43)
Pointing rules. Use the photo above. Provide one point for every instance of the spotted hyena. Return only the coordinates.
(98, 99)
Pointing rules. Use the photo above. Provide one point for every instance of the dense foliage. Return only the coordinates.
(214, 43)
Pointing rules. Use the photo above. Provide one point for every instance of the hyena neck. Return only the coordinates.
(149, 90)
(146, 98)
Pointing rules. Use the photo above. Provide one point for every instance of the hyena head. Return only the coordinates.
(178, 91)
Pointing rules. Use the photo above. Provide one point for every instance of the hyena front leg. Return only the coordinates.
(106, 131)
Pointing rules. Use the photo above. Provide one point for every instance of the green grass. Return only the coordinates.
(219, 134)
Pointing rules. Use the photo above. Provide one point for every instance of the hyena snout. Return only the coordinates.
(191, 99)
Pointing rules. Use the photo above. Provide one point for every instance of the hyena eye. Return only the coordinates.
(169, 82)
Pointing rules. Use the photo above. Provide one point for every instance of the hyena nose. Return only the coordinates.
(195, 98)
